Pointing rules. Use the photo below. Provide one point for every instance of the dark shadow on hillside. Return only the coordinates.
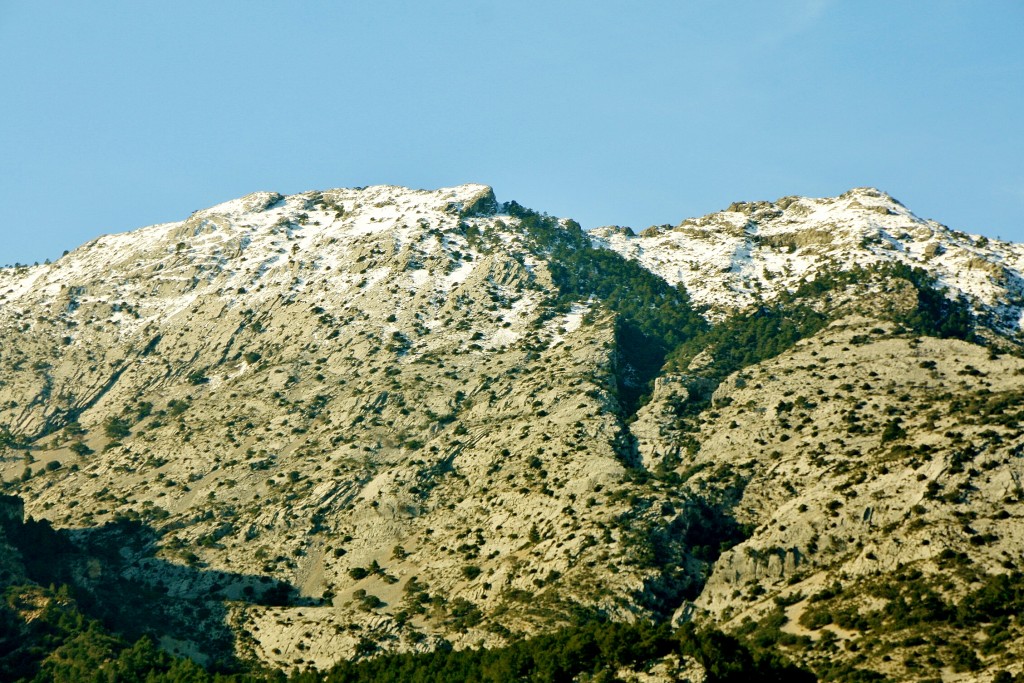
(684, 552)
(116, 579)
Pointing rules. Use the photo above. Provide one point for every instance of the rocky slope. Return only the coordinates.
(856, 457)
(349, 420)
(753, 251)
(341, 391)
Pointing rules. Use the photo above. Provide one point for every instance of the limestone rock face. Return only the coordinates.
(838, 480)
(378, 419)
(369, 395)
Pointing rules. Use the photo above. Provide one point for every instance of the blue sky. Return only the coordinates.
(116, 115)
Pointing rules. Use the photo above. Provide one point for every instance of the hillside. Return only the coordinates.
(380, 419)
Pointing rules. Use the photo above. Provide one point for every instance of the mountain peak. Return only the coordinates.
(870, 192)
(753, 251)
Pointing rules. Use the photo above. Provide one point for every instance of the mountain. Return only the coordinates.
(754, 251)
(337, 423)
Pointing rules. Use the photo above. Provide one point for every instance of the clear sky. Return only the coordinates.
(115, 115)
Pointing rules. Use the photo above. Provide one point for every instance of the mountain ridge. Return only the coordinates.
(392, 419)
(760, 248)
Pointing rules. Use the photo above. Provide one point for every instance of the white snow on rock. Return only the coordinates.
(753, 251)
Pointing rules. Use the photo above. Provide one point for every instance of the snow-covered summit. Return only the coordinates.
(266, 245)
(260, 246)
(752, 251)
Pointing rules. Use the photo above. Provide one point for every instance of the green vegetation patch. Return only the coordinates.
(653, 317)
(591, 652)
